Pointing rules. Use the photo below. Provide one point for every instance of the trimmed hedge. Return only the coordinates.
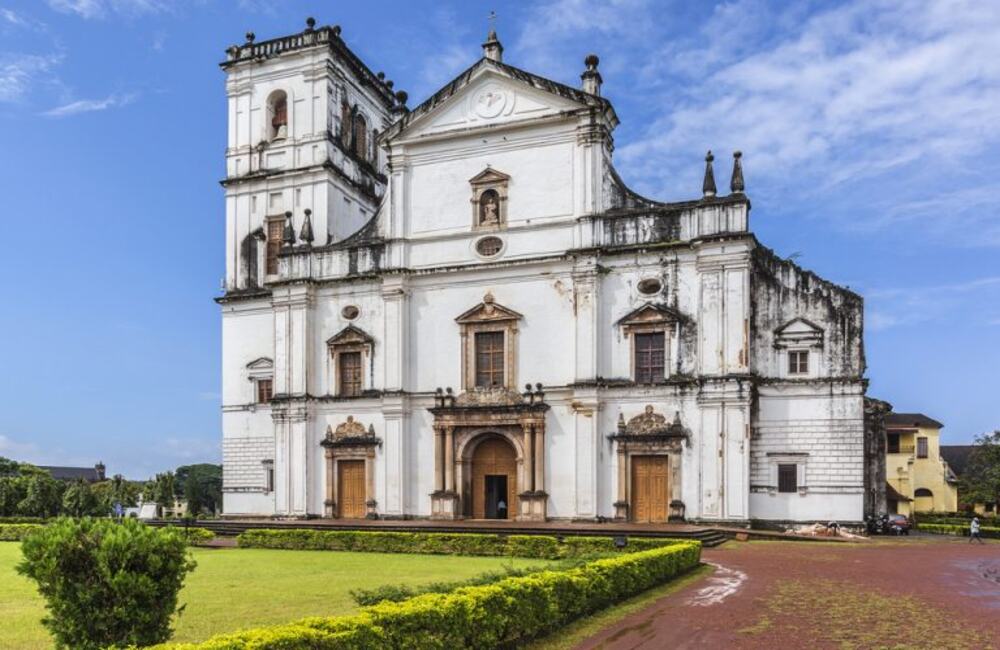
(503, 614)
(22, 520)
(534, 546)
(17, 532)
(959, 531)
(196, 536)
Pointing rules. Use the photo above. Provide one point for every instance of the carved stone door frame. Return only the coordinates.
(350, 441)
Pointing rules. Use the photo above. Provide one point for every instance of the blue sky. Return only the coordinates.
(870, 133)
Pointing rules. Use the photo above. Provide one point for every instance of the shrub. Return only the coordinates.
(104, 583)
(17, 532)
(958, 530)
(534, 546)
(196, 536)
(504, 614)
(396, 593)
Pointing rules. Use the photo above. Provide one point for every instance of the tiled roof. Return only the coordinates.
(897, 420)
(72, 473)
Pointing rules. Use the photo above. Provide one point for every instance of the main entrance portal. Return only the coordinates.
(494, 479)
(650, 488)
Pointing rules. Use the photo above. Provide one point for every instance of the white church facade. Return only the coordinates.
(461, 311)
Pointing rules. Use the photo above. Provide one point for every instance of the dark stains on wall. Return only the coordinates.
(782, 291)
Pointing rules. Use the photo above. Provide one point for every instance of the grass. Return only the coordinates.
(579, 631)
(238, 588)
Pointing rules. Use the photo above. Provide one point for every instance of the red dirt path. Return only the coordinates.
(920, 592)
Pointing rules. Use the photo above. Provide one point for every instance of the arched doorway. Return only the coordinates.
(923, 501)
(494, 479)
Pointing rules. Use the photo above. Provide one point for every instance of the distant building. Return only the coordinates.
(920, 478)
(93, 474)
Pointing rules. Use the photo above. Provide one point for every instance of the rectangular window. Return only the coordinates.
(269, 476)
(798, 362)
(649, 357)
(893, 442)
(788, 477)
(350, 373)
(489, 359)
(274, 228)
(264, 391)
(921, 447)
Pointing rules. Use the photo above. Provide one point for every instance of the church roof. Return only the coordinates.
(957, 456)
(465, 77)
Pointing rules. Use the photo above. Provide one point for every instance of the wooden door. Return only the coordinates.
(351, 489)
(493, 457)
(650, 488)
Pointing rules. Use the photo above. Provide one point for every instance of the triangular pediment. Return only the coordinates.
(263, 363)
(799, 326)
(491, 93)
(488, 176)
(488, 311)
(650, 313)
(350, 335)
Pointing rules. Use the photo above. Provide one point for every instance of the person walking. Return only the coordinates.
(974, 531)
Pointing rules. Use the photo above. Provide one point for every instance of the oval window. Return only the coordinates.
(489, 246)
(350, 312)
(650, 286)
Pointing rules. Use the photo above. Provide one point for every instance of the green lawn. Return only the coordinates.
(237, 588)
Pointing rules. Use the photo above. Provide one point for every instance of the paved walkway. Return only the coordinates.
(919, 592)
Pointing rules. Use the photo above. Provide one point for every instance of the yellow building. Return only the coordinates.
(914, 467)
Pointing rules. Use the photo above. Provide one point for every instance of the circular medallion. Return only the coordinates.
(489, 102)
(489, 246)
(350, 312)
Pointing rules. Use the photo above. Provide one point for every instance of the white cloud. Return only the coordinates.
(18, 72)
(89, 105)
(16, 450)
(12, 17)
(101, 8)
(900, 306)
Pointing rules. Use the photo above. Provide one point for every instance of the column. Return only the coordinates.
(529, 459)
(540, 458)
(438, 459)
(622, 475)
(331, 485)
(449, 459)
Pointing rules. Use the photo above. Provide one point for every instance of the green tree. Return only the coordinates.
(201, 487)
(12, 492)
(79, 500)
(116, 490)
(9, 467)
(980, 482)
(163, 491)
(42, 495)
(106, 584)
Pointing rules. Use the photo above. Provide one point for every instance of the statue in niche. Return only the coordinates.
(489, 208)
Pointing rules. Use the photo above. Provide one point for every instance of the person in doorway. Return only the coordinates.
(502, 509)
(974, 531)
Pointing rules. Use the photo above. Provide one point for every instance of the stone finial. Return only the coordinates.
(621, 423)
(492, 49)
(401, 97)
(591, 77)
(306, 234)
(310, 24)
(288, 234)
(736, 184)
(336, 30)
(371, 430)
(488, 298)
(708, 185)
(250, 37)
(380, 75)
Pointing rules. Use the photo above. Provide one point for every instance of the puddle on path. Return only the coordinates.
(721, 585)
